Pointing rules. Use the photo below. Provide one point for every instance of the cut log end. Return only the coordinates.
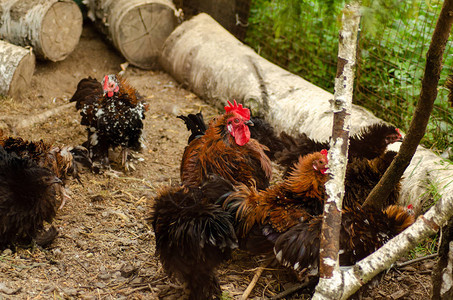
(142, 32)
(22, 75)
(61, 29)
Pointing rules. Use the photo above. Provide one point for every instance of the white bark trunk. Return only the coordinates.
(17, 65)
(51, 27)
(207, 59)
(330, 282)
(137, 28)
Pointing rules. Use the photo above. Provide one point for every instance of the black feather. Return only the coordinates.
(195, 124)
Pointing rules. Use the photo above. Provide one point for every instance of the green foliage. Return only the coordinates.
(427, 247)
(302, 36)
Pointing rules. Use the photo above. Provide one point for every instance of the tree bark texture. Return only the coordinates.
(17, 65)
(330, 283)
(442, 278)
(208, 60)
(137, 28)
(423, 109)
(51, 27)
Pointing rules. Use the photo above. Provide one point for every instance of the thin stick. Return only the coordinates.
(42, 116)
(291, 290)
(400, 265)
(255, 278)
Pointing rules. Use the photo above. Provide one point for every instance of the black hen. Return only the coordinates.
(363, 231)
(27, 199)
(262, 131)
(193, 235)
(113, 112)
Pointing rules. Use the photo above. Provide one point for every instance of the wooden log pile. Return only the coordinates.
(17, 66)
(51, 27)
(137, 28)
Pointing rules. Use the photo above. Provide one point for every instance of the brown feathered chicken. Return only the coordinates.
(361, 177)
(194, 234)
(363, 231)
(62, 162)
(370, 143)
(27, 199)
(225, 149)
(263, 215)
(113, 113)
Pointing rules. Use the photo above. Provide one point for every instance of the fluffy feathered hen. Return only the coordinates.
(363, 231)
(27, 198)
(61, 161)
(193, 234)
(370, 143)
(261, 216)
(363, 174)
(113, 113)
(226, 149)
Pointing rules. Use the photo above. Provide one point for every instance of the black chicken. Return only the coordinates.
(113, 113)
(62, 161)
(27, 199)
(363, 231)
(193, 234)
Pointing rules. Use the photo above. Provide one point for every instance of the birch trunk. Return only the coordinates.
(17, 65)
(51, 27)
(207, 59)
(330, 284)
(137, 28)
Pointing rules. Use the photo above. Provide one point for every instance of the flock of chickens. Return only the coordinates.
(225, 200)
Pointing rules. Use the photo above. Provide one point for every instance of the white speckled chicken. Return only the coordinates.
(113, 112)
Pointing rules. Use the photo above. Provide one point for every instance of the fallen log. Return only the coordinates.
(208, 60)
(17, 65)
(137, 28)
(51, 27)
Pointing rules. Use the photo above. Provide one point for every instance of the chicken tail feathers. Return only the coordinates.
(192, 237)
(88, 89)
(194, 123)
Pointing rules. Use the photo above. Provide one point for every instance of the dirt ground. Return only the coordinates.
(105, 248)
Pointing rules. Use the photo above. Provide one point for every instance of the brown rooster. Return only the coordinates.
(226, 149)
(263, 215)
(61, 162)
(113, 112)
(27, 199)
(193, 234)
(363, 231)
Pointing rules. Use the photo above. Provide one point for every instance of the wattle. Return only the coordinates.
(242, 135)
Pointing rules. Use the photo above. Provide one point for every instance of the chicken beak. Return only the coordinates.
(56, 180)
(249, 123)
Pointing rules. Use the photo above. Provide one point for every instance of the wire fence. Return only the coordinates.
(302, 37)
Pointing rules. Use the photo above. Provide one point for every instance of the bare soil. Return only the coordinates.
(105, 248)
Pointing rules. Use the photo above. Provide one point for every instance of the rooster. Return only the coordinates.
(281, 206)
(363, 231)
(194, 234)
(61, 162)
(27, 199)
(370, 143)
(113, 113)
(226, 149)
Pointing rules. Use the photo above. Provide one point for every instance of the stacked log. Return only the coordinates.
(137, 28)
(207, 59)
(51, 27)
(17, 65)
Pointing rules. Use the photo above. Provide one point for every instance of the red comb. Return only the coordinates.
(410, 206)
(324, 152)
(243, 112)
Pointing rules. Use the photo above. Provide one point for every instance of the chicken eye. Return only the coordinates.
(236, 120)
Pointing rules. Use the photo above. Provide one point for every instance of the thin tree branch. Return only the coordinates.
(422, 111)
(330, 285)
